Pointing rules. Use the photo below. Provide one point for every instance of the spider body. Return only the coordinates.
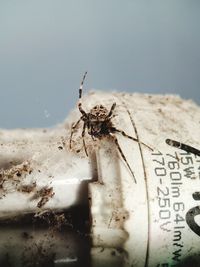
(98, 122)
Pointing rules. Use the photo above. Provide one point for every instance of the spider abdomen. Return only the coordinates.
(98, 129)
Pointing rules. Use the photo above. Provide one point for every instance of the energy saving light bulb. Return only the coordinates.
(137, 197)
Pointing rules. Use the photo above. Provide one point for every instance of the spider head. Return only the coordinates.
(98, 114)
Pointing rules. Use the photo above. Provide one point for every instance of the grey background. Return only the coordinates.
(148, 46)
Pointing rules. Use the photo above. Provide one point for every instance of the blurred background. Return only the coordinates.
(150, 46)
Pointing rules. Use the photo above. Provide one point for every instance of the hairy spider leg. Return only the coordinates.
(83, 137)
(81, 85)
(122, 155)
(80, 95)
(182, 146)
(74, 125)
(114, 130)
(111, 110)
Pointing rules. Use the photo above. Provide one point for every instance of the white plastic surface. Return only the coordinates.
(39, 159)
(148, 219)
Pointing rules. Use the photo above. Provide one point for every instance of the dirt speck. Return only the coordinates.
(45, 193)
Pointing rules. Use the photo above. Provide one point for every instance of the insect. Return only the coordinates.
(98, 122)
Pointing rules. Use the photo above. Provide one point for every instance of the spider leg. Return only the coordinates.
(72, 132)
(122, 155)
(115, 130)
(93, 138)
(83, 135)
(80, 95)
(111, 110)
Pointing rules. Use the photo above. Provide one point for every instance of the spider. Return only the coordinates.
(98, 123)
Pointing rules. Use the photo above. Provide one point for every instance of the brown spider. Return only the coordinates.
(99, 125)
